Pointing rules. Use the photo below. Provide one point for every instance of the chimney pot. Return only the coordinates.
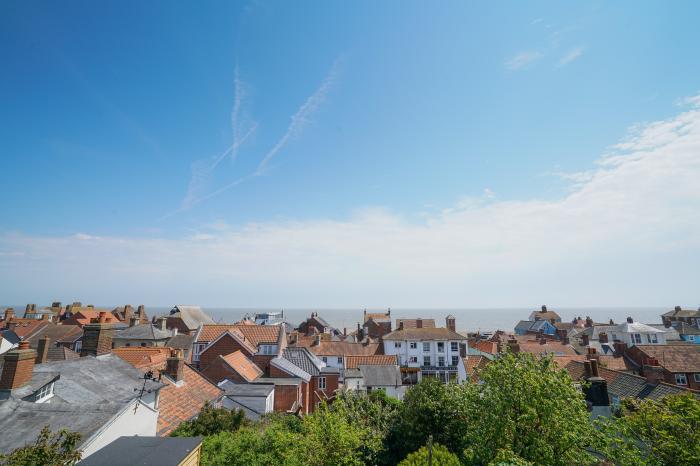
(103, 317)
(603, 337)
(97, 339)
(9, 314)
(175, 365)
(630, 320)
(544, 308)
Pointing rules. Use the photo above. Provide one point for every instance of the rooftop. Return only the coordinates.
(144, 451)
(424, 334)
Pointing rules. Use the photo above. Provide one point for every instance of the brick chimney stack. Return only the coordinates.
(603, 337)
(584, 339)
(630, 320)
(97, 337)
(175, 365)
(42, 350)
(419, 323)
(451, 323)
(9, 314)
(18, 368)
(162, 323)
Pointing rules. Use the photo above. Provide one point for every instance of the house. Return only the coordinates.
(187, 319)
(367, 378)
(354, 362)
(45, 313)
(259, 342)
(255, 399)
(102, 398)
(144, 334)
(688, 333)
(674, 364)
(316, 324)
(544, 314)
(236, 367)
(535, 327)
(185, 390)
(635, 333)
(333, 353)
(324, 379)
(427, 352)
(161, 451)
(678, 315)
(375, 324)
(269, 318)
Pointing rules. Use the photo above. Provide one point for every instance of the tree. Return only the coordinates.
(48, 449)
(441, 456)
(650, 432)
(528, 407)
(429, 408)
(211, 421)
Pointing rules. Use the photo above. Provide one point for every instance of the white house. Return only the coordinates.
(427, 352)
(636, 333)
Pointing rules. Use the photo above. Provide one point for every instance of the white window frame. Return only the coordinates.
(44, 393)
(340, 359)
(397, 344)
(681, 379)
(426, 347)
(441, 361)
(426, 358)
(637, 338)
(455, 360)
(454, 346)
(413, 345)
(324, 359)
(440, 343)
(696, 377)
(413, 359)
(322, 383)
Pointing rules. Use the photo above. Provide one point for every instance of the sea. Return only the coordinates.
(468, 319)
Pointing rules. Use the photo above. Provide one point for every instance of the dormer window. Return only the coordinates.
(267, 349)
(43, 394)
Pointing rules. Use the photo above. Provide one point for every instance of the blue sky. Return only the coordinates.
(348, 154)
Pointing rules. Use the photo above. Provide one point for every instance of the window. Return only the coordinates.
(455, 360)
(696, 377)
(614, 336)
(267, 349)
(441, 346)
(143, 344)
(426, 347)
(324, 358)
(78, 346)
(413, 345)
(441, 361)
(44, 393)
(397, 344)
(681, 379)
(652, 338)
(426, 360)
(322, 383)
(691, 337)
(128, 344)
(340, 359)
(637, 338)
(454, 346)
(413, 359)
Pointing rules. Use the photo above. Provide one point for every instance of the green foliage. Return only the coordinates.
(48, 449)
(429, 408)
(211, 421)
(530, 408)
(505, 457)
(441, 456)
(665, 432)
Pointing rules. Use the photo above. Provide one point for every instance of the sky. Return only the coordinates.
(350, 154)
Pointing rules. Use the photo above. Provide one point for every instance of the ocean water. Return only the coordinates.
(467, 319)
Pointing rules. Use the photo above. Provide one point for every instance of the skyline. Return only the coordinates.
(348, 156)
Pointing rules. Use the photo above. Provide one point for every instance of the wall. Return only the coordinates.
(285, 396)
(405, 352)
(223, 346)
(317, 394)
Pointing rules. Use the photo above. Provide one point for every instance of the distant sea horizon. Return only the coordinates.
(468, 319)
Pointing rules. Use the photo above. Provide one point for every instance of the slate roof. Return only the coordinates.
(191, 316)
(381, 376)
(353, 362)
(524, 325)
(246, 389)
(664, 389)
(290, 368)
(144, 451)
(55, 332)
(180, 341)
(10, 336)
(242, 365)
(682, 313)
(305, 359)
(60, 353)
(345, 348)
(424, 334)
(143, 332)
(412, 323)
(685, 329)
(25, 328)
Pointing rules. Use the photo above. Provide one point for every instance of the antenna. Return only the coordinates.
(146, 377)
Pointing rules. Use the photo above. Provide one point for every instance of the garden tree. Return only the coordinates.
(375, 412)
(441, 456)
(48, 449)
(429, 408)
(650, 432)
(527, 406)
(211, 421)
(505, 457)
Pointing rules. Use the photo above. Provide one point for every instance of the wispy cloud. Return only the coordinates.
(522, 60)
(302, 116)
(625, 235)
(570, 56)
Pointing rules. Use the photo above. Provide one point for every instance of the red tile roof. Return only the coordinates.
(25, 328)
(242, 365)
(485, 346)
(85, 315)
(256, 334)
(353, 362)
(472, 364)
(178, 402)
(674, 358)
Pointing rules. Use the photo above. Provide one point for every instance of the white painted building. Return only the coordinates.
(636, 333)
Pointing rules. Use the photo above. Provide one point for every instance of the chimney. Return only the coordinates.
(652, 371)
(584, 338)
(451, 323)
(388, 312)
(589, 322)
(591, 353)
(620, 348)
(365, 314)
(9, 314)
(317, 340)
(565, 340)
(513, 345)
(630, 320)
(345, 331)
(133, 320)
(677, 309)
(45, 317)
(56, 304)
(18, 368)
(612, 322)
(419, 323)
(544, 308)
(42, 350)
(97, 337)
(141, 312)
(175, 365)
(603, 337)
(401, 325)
(594, 368)
(543, 341)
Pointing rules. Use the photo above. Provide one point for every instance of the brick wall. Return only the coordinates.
(176, 322)
(225, 345)
(317, 394)
(285, 396)
(263, 362)
(275, 372)
(97, 339)
(218, 370)
(18, 367)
